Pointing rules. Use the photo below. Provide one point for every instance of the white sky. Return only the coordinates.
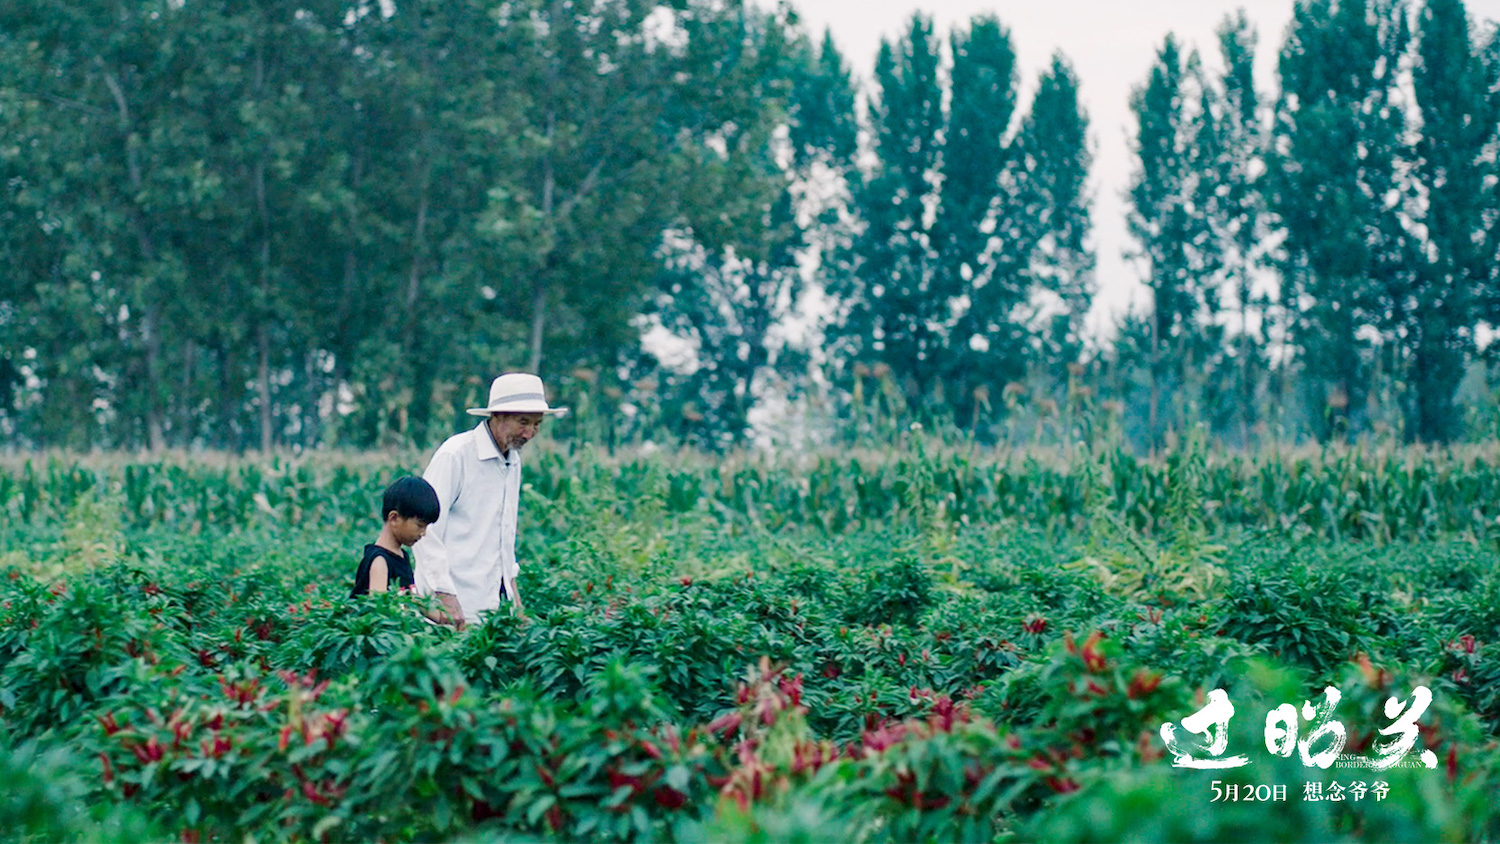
(1111, 46)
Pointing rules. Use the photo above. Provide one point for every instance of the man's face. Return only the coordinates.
(514, 430)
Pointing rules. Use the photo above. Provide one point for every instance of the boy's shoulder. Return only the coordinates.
(373, 550)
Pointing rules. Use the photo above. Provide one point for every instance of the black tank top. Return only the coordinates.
(398, 570)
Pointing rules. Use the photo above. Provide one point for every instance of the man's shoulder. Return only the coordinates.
(459, 443)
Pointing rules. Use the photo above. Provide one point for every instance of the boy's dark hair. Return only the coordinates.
(411, 498)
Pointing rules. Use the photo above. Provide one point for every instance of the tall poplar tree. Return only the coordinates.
(111, 92)
(1460, 129)
(267, 62)
(1053, 160)
(1176, 244)
(732, 275)
(1235, 135)
(891, 311)
(577, 216)
(986, 278)
(436, 118)
(52, 306)
(931, 285)
(1346, 260)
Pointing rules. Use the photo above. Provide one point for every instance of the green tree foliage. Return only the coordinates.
(731, 276)
(1234, 134)
(966, 214)
(1347, 260)
(1455, 165)
(278, 224)
(107, 164)
(822, 119)
(1168, 218)
(426, 117)
(893, 310)
(1053, 158)
(235, 224)
(979, 230)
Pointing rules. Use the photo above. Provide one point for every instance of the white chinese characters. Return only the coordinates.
(1319, 745)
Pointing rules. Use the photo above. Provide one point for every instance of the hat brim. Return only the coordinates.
(519, 408)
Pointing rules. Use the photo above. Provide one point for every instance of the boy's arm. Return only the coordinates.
(380, 575)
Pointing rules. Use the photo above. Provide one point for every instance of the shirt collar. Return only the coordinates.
(486, 445)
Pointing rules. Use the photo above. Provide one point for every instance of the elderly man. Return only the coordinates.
(468, 557)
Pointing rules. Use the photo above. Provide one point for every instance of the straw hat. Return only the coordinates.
(517, 392)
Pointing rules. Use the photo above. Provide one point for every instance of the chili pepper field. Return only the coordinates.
(921, 644)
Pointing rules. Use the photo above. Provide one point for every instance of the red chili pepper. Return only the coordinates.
(149, 752)
(311, 793)
(669, 798)
(728, 722)
(1093, 660)
(1143, 683)
(1062, 786)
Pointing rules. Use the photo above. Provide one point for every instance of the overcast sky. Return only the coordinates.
(1111, 44)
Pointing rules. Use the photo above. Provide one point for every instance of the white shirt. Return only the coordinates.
(472, 545)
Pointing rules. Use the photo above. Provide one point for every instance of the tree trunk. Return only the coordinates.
(312, 391)
(538, 323)
(414, 272)
(263, 377)
(225, 358)
(263, 384)
(1290, 329)
(1151, 413)
(347, 328)
(1247, 389)
(183, 411)
(421, 387)
(539, 285)
(155, 430)
(262, 328)
(150, 331)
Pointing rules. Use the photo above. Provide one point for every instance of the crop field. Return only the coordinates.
(928, 643)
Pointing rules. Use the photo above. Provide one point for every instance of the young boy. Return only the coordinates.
(408, 507)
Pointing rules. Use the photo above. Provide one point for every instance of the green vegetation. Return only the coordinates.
(276, 224)
(923, 644)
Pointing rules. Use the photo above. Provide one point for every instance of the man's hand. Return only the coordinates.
(517, 607)
(451, 613)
